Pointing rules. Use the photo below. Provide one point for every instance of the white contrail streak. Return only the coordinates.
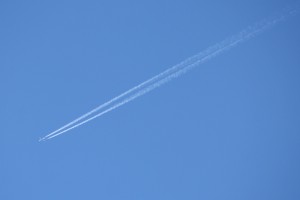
(134, 89)
(171, 73)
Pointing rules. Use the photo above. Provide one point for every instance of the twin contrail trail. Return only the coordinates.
(172, 72)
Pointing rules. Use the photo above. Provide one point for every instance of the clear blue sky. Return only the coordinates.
(229, 129)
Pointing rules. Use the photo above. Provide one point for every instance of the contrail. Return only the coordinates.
(172, 72)
(176, 67)
(132, 90)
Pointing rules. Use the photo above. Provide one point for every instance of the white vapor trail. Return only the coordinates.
(172, 73)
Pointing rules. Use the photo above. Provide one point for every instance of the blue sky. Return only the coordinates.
(229, 129)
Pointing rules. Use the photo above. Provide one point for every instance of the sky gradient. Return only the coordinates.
(229, 129)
